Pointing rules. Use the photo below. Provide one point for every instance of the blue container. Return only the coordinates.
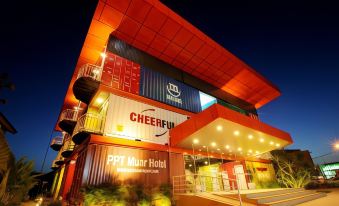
(157, 86)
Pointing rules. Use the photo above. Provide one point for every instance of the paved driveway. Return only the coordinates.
(332, 198)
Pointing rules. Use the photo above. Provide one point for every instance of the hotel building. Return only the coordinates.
(153, 99)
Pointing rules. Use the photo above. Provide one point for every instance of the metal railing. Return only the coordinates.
(90, 70)
(70, 114)
(54, 165)
(197, 183)
(57, 141)
(89, 122)
(69, 145)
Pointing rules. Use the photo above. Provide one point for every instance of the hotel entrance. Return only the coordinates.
(213, 174)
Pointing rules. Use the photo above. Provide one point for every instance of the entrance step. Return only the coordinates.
(284, 197)
(207, 199)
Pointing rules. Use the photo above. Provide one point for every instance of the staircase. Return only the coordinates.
(283, 197)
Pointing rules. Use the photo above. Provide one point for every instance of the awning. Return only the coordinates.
(222, 130)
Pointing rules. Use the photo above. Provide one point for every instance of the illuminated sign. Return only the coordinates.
(157, 86)
(134, 120)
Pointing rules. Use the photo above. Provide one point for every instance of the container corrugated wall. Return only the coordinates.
(99, 170)
(157, 86)
(131, 119)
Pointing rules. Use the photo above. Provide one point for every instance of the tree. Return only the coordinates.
(289, 175)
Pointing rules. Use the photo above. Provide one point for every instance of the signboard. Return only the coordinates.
(134, 120)
(157, 86)
(126, 165)
(121, 73)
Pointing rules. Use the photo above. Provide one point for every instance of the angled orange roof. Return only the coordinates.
(152, 27)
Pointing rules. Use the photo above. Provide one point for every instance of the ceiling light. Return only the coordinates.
(190, 165)
(204, 146)
(195, 141)
(261, 140)
(250, 136)
(205, 162)
(218, 149)
(236, 133)
(227, 146)
(256, 152)
(239, 149)
(277, 145)
(219, 128)
(213, 144)
(271, 143)
(250, 151)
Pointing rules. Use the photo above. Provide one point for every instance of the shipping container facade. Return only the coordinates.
(157, 86)
(113, 164)
(134, 120)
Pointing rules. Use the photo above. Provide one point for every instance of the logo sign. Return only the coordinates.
(134, 120)
(157, 86)
(173, 93)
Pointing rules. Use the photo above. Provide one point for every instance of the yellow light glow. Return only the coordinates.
(277, 145)
(99, 100)
(190, 165)
(256, 152)
(195, 141)
(206, 162)
(261, 140)
(219, 128)
(250, 136)
(239, 148)
(250, 151)
(227, 146)
(336, 146)
(271, 143)
(218, 149)
(103, 55)
(213, 144)
(236, 133)
(204, 146)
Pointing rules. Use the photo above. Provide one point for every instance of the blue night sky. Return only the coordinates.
(295, 45)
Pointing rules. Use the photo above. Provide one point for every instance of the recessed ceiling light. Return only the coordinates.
(250, 151)
(261, 140)
(213, 144)
(250, 136)
(204, 146)
(190, 165)
(227, 146)
(219, 128)
(218, 149)
(195, 141)
(256, 152)
(277, 145)
(271, 143)
(205, 162)
(236, 133)
(239, 148)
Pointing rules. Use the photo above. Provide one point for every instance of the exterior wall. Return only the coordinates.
(67, 179)
(130, 119)
(112, 164)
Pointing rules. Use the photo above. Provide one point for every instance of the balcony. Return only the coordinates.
(56, 143)
(87, 82)
(54, 165)
(68, 148)
(87, 124)
(68, 120)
